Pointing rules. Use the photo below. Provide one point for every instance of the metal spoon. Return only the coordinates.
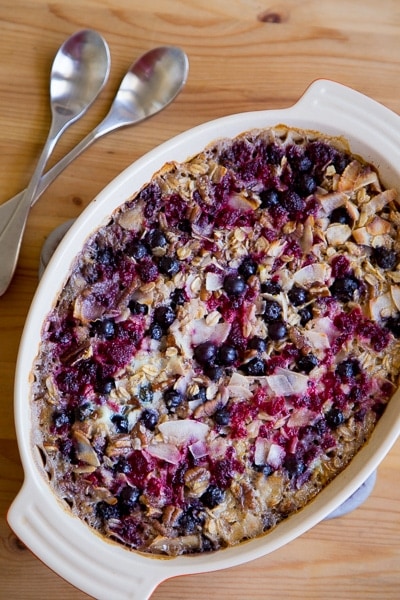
(150, 84)
(79, 72)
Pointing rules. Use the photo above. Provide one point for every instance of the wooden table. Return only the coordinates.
(244, 55)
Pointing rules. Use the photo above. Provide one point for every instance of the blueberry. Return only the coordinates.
(145, 394)
(393, 324)
(169, 265)
(107, 511)
(200, 395)
(121, 423)
(257, 343)
(348, 368)
(334, 417)
(297, 295)
(105, 386)
(222, 417)
(123, 466)
(269, 198)
(293, 465)
(156, 239)
(305, 184)
(307, 362)
(344, 288)
(248, 267)
(173, 399)
(255, 366)
(61, 418)
(340, 215)
(178, 296)
(105, 329)
(156, 331)
(137, 250)
(137, 308)
(164, 316)
(271, 287)
(227, 355)
(205, 352)
(127, 498)
(213, 372)
(277, 330)
(191, 520)
(384, 258)
(234, 284)
(212, 496)
(149, 418)
(272, 311)
(105, 256)
(305, 315)
(83, 411)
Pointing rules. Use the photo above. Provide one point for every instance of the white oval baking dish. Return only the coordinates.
(106, 570)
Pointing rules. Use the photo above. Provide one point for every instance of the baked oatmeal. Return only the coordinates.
(224, 345)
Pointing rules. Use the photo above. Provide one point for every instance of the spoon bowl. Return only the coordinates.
(150, 84)
(79, 72)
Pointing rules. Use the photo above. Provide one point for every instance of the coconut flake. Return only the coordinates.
(275, 456)
(301, 417)
(167, 452)
(287, 383)
(183, 431)
(214, 281)
(261, 449)
(198, 449)
(314, 273)
(395, 292)
(381, 307)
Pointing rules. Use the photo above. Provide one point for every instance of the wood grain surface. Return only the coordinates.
(244, 55)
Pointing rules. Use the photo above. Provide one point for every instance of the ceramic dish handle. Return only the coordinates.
(62, 546)
(335, 108)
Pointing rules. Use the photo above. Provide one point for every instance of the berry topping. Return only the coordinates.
(168, 265)
(271, 287)
(222, 417)
(348, 368)
(307, 362)
(272, 311)
(121, 423)
(257, 343)
(156, 239)
(269, 198)
(212, 496)
(234, 284)
(334, 418)
(178, 296)
(137, 250)
(164, 316)
(340, 215)
(173, 399)
(277, 330)
(255, 366)
(384, 258)
(305, 315)
(149, 418)
(105, 329)
(297, 295)
(138, 309)
(344, 288)
(205, 353)
(227, 355)
(248, 267)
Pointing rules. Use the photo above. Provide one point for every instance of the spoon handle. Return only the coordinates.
(13, 228)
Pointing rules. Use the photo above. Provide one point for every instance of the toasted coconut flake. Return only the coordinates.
(378, 226)
(331, 201)
(395, 293)
(84, 450)
(381, 307)
(314, 273)
(356, 176)
(337, 234)
(362, 236)
(376, 204)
